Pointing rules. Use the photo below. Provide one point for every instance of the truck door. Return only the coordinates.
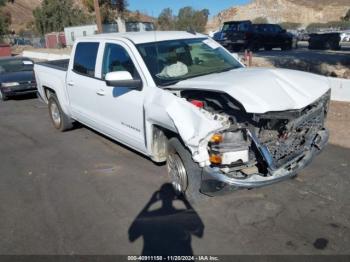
(81, 82)
(280, 34)
(120, 109)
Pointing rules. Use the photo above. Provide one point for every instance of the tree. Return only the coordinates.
(3, 27)
(54, 16)
(109, 8)
(166, 20)
(260, 20)
(5, 20)
(121, 5)
(190, 18)
(200, 20)
(184, 18)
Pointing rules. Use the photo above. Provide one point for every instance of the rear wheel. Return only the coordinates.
(3, 97)
(185, 175)
(59, 119)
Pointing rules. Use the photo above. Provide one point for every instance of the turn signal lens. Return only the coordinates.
(215, 159)
(217, 138)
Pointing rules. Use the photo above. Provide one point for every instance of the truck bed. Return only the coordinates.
(56, 64)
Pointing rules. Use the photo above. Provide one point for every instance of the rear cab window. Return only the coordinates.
(85, 58)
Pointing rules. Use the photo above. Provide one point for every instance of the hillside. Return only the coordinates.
(21, 12)
(276, 11)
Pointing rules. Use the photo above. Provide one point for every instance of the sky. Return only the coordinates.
(154, 7)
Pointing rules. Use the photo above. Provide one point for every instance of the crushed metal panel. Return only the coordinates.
(195, 126)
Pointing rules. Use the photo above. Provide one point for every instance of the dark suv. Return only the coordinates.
(234, 34)
(245, 35)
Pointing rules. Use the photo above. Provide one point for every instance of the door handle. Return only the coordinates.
(101, 92)
(70, 83)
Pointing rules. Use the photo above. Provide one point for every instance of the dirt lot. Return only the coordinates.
(338, 123)
(80, 193)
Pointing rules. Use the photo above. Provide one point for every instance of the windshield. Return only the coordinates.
(15, 65)
(176, 60)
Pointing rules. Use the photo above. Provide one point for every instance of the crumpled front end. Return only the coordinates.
(236, 149)
(268, 148)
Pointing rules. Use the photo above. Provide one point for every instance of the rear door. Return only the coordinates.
(279, 35)
(270, 35)
(81, 83)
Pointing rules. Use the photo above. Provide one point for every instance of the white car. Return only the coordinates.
(345, 37)
(183, 99)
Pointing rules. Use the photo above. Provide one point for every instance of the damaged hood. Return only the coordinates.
(262, 90)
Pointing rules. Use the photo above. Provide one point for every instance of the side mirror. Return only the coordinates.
(284, 31)
(123, 79)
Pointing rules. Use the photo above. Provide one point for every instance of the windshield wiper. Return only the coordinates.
(224, 70)
(170, 83)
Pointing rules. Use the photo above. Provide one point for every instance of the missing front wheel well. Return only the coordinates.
(160, 138)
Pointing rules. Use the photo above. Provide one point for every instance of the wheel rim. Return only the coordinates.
(55, 115)
(1, 96)
(177, 172)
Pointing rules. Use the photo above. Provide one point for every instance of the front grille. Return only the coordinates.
(285, 146)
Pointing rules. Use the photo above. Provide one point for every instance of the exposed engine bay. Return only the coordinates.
(258, 143)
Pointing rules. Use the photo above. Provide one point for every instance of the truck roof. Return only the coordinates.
(147, 37)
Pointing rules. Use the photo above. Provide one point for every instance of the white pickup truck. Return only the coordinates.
(182, 99)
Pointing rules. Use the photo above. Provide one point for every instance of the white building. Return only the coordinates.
(121, 26)
(74, 32)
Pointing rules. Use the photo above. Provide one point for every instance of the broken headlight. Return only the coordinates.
(229, 148)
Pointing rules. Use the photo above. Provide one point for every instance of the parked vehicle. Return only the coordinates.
(184, 99)
(325, 41)
(303, 35)
(234, 34)
(16, 77)
(22, 41)
(345, 37)
(237, 35)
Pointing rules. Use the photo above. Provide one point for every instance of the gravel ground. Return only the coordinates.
(80, 193)
(338, 122)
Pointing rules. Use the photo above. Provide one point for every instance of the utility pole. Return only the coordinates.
(98, 16)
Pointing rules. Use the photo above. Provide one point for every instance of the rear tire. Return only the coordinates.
(3, 97)
(185, 174)
(60, 120)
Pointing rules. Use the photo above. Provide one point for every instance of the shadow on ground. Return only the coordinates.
(23, 97)
(167, 230)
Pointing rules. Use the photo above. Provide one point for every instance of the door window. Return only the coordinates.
(115, 59)
(85, 58)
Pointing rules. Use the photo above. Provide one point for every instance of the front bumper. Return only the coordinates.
(215, 182)
(19, 90)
